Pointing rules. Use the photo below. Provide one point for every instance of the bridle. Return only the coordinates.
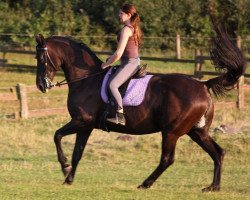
(48, 82)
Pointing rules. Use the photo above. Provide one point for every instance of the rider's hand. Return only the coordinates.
(104, 65)
(107, 59)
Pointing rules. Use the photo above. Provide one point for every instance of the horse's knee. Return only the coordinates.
(57, 137)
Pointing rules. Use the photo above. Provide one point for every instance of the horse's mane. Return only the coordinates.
(77, 43)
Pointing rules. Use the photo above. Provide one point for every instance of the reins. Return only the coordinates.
(64, 82)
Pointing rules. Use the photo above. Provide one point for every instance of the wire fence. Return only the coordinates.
(152, 46)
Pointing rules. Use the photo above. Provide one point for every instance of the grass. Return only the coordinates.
(111, 168)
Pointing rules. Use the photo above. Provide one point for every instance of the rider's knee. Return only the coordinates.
(113, 85)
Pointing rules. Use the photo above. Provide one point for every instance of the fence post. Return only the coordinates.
(238, 42)
(22, 96)
(240, 87)
(198, 63)
(240, 84)
(178, 46)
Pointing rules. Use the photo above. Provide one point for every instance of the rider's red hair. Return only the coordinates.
(135, 21)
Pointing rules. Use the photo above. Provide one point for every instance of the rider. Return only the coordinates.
(129, 41)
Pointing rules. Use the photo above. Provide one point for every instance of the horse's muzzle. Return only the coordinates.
(44, 84)
(41, 87)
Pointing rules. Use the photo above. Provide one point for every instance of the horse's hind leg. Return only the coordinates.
(201, 137)
(167, 158)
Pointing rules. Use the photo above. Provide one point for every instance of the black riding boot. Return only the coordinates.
(118, 119)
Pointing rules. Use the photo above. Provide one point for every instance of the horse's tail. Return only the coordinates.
(228, 58)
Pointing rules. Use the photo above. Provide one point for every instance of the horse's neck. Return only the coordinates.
(73, 72)
(82, 65)
(91, 84)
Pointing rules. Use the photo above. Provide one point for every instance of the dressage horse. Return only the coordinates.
(174, 104)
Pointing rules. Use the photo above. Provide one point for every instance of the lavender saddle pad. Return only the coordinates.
(135, 92)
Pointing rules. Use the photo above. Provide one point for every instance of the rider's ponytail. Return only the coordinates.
(135, 21)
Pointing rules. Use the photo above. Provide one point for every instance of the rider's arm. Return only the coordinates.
(125, 34)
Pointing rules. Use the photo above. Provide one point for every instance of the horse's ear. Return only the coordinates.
(37, 39)
(40, 39)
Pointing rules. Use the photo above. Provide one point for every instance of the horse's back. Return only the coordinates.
(182, 86)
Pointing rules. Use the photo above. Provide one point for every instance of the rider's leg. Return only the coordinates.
(125, 71)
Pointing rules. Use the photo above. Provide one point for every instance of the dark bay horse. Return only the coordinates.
(174, 104)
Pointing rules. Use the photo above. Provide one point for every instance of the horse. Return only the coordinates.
(174, 104)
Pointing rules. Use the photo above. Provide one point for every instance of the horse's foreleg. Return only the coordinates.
(167, 158)
(201, 137)
(81, 141)
(67, 129)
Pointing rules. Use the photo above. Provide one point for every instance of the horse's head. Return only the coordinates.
(75, 59)
(46, 67)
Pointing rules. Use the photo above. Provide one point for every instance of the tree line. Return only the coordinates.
(79, 18)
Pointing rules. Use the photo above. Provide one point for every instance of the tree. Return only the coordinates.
(79, 18)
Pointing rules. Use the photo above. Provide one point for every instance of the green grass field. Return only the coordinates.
(112, 168)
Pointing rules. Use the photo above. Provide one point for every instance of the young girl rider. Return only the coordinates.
(129, 41)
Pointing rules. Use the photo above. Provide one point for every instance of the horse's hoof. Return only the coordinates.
(67, 183)
(143, 186)
(211, 189)
(66, 170)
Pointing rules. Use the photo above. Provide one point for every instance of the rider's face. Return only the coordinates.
(123, 17)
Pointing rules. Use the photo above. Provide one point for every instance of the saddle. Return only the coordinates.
(140, 73)
(111, 105)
